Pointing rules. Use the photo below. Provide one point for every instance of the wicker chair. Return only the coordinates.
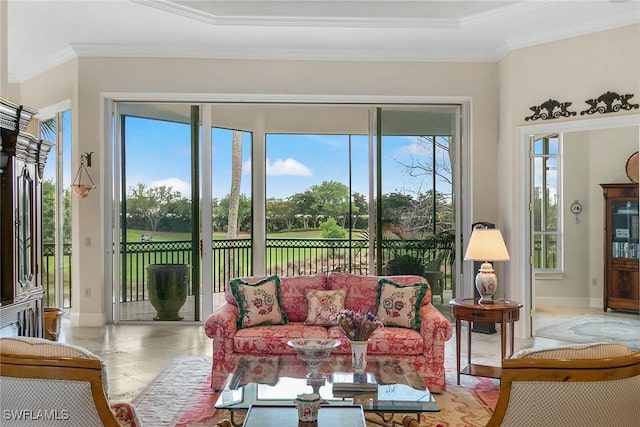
(63, 383)
(581, 385)
(435, 276)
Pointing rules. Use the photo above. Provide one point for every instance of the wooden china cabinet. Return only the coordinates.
(22, 160)
(621, 247)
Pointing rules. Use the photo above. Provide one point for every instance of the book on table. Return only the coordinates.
(354, 381)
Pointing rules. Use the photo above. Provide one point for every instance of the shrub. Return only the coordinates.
(330, 229)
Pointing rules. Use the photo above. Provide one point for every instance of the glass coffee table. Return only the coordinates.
(392, 386)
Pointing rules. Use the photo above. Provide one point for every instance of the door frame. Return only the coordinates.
(463, 206)
(526, 280)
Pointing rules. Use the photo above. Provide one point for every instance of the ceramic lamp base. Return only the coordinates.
(486, 283)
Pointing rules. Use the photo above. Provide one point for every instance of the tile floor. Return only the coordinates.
(135, 353)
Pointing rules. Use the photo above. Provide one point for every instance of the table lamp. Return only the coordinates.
(486, 245)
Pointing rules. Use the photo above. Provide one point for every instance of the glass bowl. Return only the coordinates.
(314, 351)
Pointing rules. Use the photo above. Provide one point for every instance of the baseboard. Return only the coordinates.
(596, 302)
(564, 302)
(87, 319)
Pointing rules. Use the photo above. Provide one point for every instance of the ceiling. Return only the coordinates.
(43, 34)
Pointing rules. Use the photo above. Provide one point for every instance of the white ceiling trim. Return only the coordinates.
(506, 11)
(473, 37)
(572, 31)
(502, 12)
(258, 98)
(99, 50)
(299, 21)
(62, 56)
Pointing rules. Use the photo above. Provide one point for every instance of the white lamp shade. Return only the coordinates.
(486, 244)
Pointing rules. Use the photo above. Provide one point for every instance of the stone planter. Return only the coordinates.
(168, 287)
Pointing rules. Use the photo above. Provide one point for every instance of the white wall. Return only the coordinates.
(201, 80)
(571, 70)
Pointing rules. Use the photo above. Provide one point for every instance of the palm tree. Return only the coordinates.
(234, 197)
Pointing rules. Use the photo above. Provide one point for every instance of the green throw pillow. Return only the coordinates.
(399, 305)
(259, 303)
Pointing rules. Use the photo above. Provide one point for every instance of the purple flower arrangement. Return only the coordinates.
(358, 326)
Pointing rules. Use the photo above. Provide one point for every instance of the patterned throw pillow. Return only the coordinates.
(259, 303)
(400, 305)
(324, 306)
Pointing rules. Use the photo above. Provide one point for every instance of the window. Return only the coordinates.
(545, 195)
(56, 210)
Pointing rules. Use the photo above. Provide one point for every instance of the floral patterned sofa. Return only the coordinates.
(420, 342)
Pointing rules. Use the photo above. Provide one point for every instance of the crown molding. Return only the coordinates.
(492, 53)
(568, 32)
(330, 54)
(299, 21)
(62, 56)
(502, 12)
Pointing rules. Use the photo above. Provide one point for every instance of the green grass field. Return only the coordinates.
(278, 260)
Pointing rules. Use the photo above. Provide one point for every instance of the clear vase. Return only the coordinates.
(359, 355)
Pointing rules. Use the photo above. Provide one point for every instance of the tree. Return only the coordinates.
(179, 217)
(152, 203)
(330, 229)
(234, 194)
(221, 213)
(359, 209)
(301, 204)
(434, 165)
(437, 159)
(48, 212)
(280, 215)
(332, 199)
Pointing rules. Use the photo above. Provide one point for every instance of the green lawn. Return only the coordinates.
(135, 263)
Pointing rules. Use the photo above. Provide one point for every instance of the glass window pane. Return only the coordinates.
(545, 251)
(551, 210)
(223, 146)
(157, 224)
(545, 196)
(316, 188)
(232, 214)
(553, 145)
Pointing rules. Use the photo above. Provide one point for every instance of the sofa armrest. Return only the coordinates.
(222, 326)
(434, 327)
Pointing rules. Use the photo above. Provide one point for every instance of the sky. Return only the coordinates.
(158, 154)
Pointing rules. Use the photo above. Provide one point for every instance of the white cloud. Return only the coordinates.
(246, 167)
(288, 166)
(176, 184)
(415, 148)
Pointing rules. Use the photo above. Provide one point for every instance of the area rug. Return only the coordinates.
(181, 396)
(589, 328)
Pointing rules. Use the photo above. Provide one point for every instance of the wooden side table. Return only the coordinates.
(501, 311)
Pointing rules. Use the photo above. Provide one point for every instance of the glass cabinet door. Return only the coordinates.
(624, 229)
(24, 228)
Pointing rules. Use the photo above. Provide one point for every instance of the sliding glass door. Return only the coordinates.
(417, 151)
(159, 265)
(215, 191)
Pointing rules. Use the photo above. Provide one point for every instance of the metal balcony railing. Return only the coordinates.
(233, 258)
(49, 273)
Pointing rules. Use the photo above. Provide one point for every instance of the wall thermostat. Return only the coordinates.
(576, 207)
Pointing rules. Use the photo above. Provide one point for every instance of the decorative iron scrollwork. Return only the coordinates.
(550, 109)
(609, 102)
